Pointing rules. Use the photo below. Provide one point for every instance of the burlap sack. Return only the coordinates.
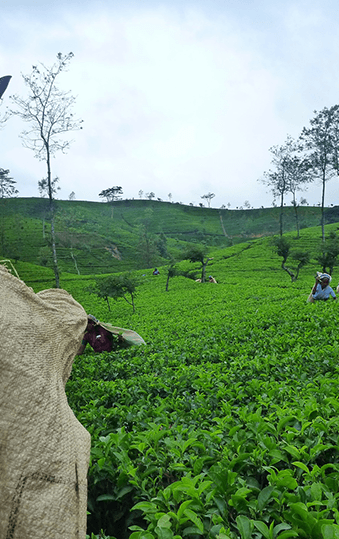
(44, 450)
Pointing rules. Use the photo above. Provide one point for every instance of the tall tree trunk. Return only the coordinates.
(281, 214)
(2, 229)
(323, 207)
(51, 208)
(75, 261)
(55, 260)
(296, 215)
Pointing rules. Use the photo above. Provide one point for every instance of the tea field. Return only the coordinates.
(96, 237)
(226, 424)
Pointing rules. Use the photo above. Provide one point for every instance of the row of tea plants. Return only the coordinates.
(225, 425)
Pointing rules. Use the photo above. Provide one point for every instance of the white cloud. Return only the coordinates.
(175, 98)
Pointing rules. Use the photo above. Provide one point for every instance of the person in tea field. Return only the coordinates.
(97, 337)
(210, 280)
(156, 271)
(321, 290)
(104, 337)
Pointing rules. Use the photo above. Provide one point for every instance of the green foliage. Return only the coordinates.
(112, 193)
(329, 251)
(283, 246)
(7, 184)
(117, 286)
(225, 426)
(87, 234)
(198, 253)
(195, 253)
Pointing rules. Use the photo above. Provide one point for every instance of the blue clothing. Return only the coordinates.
(323, 293)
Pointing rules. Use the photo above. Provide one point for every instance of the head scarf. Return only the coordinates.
(91, 317)
(322, 276)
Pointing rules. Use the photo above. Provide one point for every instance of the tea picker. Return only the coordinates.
(321, 290)
(101, 336)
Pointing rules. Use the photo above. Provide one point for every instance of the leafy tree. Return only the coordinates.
(329, 252)
(290, 171)
(117, 286)
(208, 197)
(7, 190)
(173, 271)
(112, 193)
(150, 195)
(320, 142)
(44, 187)
(48, 112)
(170, 197)
(7, 185)
(198, 254)
(282, 247)
(140, 193)
(71, 196)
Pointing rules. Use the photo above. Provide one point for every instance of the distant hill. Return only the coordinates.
(96, 237)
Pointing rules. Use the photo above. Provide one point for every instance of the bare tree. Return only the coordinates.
(335, 138)
(291, 174)
(300, 173)
(320, 143)
(277, 179)
(208, 197)
(47, 110)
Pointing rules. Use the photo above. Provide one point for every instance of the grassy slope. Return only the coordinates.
(92, 231)
(237, 380)
(244, 373)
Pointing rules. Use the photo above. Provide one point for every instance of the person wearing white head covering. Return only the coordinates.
(321, 289)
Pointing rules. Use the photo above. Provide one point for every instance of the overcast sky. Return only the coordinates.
(177, 97)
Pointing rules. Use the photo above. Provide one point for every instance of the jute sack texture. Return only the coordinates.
(44, 450)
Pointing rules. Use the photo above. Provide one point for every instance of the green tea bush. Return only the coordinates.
(226, 424)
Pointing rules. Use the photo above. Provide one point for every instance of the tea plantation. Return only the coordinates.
(226, 425)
